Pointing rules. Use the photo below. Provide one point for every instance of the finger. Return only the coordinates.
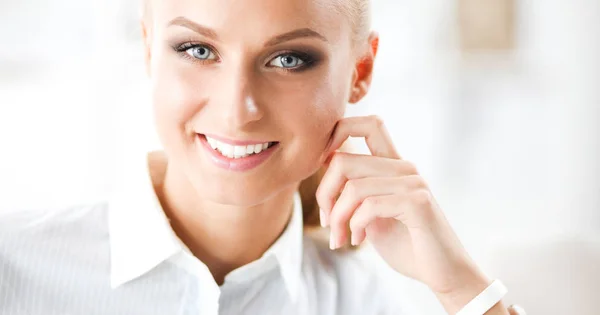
(356, 191)
(412, 209)
(371, 128)
(516, 310)
(371, 208)
(347, 166)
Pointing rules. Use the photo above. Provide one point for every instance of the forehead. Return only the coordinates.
(256, 19)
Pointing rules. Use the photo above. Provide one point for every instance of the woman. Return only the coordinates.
(249, 100)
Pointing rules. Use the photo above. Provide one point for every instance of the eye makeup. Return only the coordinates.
(308, 56)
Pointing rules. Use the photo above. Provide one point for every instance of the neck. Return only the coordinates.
(224, 237)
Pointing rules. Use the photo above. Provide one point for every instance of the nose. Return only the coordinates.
(236, 99)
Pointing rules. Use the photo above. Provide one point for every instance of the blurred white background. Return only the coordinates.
(508, 141)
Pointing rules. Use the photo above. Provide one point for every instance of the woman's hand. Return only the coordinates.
(384, 199)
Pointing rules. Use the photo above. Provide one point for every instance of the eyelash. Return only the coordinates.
(183, 48)
(308, 60)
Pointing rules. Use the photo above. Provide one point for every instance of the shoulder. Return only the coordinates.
(41, 250)
(361, 284)
(53, 236)
(47, 224)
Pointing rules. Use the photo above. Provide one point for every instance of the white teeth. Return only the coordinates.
(212, 142)
(236, 151)
(239, 151)
(226, 149)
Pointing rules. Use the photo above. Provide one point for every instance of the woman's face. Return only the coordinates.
(239, 71)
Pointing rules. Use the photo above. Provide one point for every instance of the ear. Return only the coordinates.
(147, 39)
(363, 72)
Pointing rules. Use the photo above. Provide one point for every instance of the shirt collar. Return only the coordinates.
(287, 249)
(139, 245)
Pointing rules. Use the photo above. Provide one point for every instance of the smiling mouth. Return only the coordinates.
(238, 151)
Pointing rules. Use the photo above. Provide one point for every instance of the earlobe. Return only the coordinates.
(359, 91)
(354, 96)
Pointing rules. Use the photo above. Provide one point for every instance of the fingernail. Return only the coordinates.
(322, 217)
(353, 240)
(517, 309)
(331, 242)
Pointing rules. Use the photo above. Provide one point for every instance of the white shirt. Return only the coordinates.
(122, 257)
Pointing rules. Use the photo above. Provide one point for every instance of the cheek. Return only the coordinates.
(310, 114)
(324, 104)
(176, 96)
(321, 112)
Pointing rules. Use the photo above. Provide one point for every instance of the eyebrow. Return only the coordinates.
(208, 32)
(299, 33)
(203, 30)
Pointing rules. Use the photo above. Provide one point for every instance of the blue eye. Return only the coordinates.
(201, 52)
(286, 61)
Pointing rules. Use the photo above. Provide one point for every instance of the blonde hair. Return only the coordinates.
(358, 12)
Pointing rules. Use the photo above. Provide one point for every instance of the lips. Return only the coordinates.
(237, 155)
(237, 151)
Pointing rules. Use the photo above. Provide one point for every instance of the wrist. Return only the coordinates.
(468, 286)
